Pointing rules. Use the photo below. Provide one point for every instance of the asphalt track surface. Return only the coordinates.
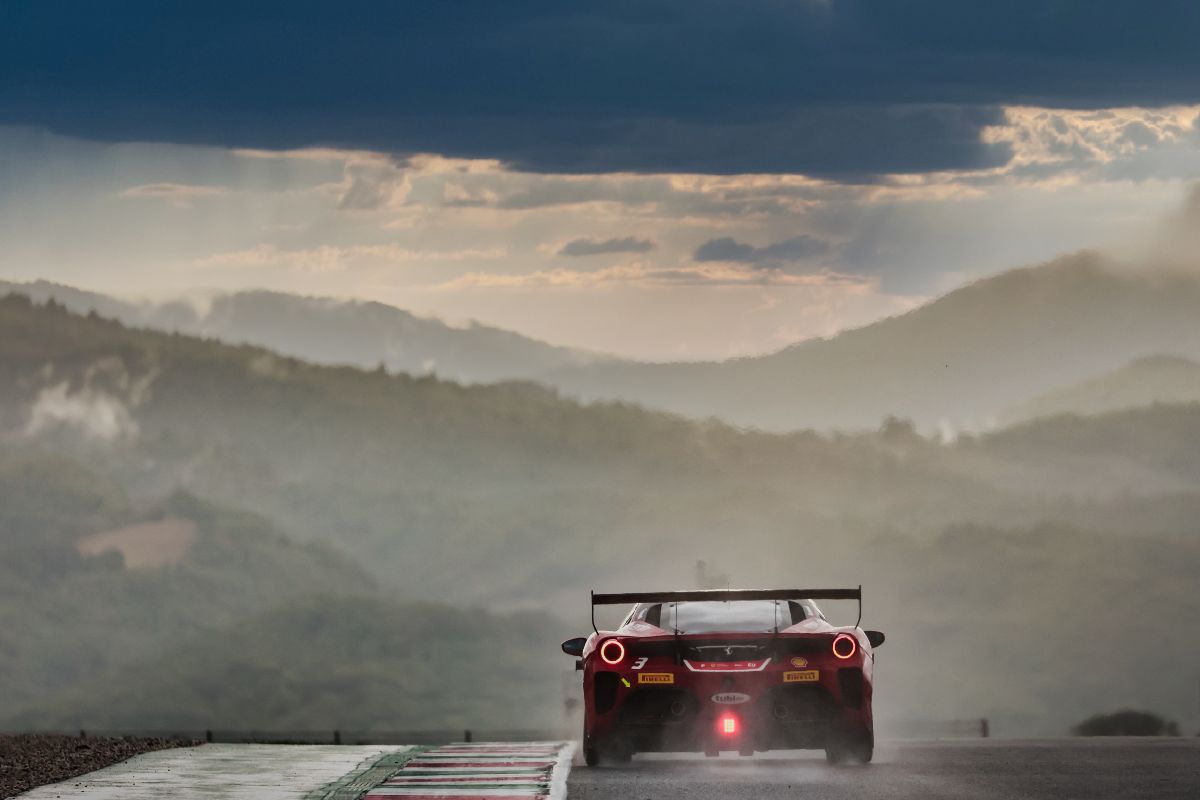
(1092, 769)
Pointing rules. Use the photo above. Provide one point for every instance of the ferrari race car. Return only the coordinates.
(713, 671)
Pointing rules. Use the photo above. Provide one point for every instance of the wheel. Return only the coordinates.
(617, 753)
(605, 752)
(852, 747)
(864, 751)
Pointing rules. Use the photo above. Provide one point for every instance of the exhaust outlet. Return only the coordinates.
(780, 711)
(677, 708)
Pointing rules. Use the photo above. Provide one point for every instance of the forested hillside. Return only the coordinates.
(1080, 334)
(330, 331)
(512, 499)
(242, 627)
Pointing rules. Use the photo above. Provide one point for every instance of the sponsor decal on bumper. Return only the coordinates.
(730, 698)
(727, 666)
(802, 676)
(656, 677)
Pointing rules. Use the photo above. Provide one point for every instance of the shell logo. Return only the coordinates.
(799, 662)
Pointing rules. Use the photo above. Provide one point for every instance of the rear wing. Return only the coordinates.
(628, 598)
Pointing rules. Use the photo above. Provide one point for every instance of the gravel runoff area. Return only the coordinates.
(30, 760)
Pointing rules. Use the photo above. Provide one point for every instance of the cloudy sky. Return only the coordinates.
(653, 178)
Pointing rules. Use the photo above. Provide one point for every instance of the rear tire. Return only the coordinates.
(857, 747)
(605, 753)
(617, 754)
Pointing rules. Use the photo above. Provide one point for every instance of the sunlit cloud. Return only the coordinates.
(645, 275)
(178, 195)
(1079, 139)
(475, 237)
(305, 154)
(328, 258)
(373, 185)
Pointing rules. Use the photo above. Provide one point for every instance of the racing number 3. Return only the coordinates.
(641, 662)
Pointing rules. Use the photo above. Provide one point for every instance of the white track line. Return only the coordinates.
(467, 758)
(484, 768)
(226, 771)
(562, 768)
(473, 776)
(464, 792)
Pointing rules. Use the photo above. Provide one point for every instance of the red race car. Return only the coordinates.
(712, 671)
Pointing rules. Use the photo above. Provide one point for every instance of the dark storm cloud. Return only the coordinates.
(825, 87)
(591, 247)
(797, 248)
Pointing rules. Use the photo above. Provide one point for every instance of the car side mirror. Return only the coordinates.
(574, 647)
(876, 638)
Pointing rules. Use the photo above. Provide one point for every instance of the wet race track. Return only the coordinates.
(1093, 769)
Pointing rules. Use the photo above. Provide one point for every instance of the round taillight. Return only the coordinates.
(612, 652)
(844, 645)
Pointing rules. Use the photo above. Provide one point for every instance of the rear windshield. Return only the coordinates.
(734, 616)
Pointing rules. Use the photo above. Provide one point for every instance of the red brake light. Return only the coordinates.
(729, 725)
(844, 645)
(612, 652)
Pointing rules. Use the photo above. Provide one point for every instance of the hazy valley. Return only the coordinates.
(417, 501)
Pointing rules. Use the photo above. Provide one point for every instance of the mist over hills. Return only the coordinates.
(331, 662)
(243, 626)
(1014, 346)
(510, 498)
(68, 615)
(958, 361)
(1142, 382)
(330, 331)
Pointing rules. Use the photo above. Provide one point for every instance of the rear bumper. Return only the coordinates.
(769, 711)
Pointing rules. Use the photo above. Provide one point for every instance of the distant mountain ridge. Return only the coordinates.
(331, 331)
(963, 362)
(957, 360)
(1142, 382)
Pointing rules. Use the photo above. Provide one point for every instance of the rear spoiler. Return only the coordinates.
(627, 598)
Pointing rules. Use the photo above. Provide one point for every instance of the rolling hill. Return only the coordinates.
(965, 361)
(957, 361)
(1143, 382)
(70, 613)
(509, 498)
(329, 331)
(398, 470)
(358, 663)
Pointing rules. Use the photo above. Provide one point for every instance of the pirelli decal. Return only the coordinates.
(656, 677)
(802, 676)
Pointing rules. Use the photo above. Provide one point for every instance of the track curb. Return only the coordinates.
(366, 776)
